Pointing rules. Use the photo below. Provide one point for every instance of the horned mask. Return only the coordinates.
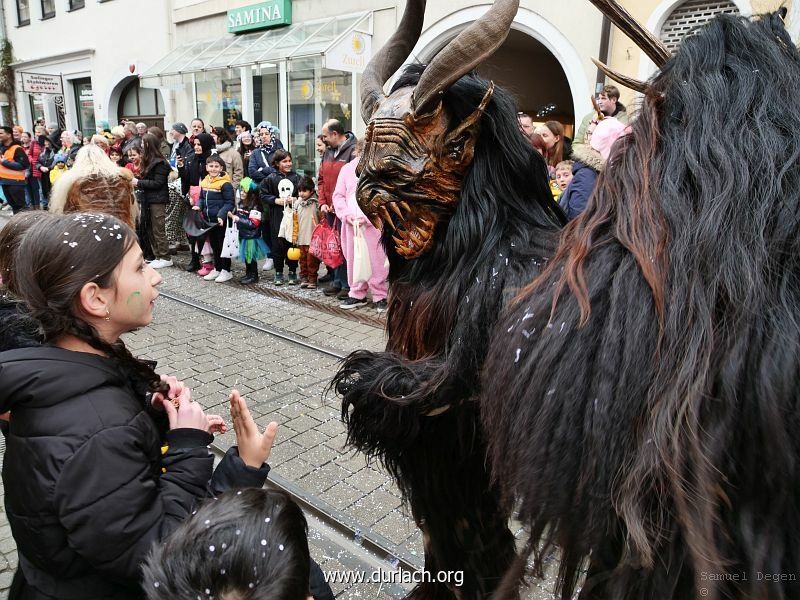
(414, 159)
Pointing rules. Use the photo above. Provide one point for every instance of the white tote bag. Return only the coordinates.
(230, 245)
(286, 228)
(362, 268)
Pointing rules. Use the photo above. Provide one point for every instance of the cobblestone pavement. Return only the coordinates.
(286, 383)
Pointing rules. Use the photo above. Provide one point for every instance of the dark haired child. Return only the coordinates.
(116, 156)
(247, 544)
(217, 199)
(278, 190)
(88, 489)
(307, 207)
(248, 221)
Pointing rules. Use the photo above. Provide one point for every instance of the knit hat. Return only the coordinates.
(608, 131)
(180, 128)
(60, 158)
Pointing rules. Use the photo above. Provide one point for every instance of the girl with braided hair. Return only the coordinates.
(89, 484)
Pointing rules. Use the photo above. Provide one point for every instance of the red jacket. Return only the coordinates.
(33, 151)
(332, 163)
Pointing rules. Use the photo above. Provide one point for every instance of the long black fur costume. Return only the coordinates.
(503, 229)
(641, 398)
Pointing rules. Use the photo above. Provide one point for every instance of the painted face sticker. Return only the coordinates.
(136, 304)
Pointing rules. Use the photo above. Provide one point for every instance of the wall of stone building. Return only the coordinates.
(100, 41)
(625, 56)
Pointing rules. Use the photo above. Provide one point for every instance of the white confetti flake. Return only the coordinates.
(516, 360)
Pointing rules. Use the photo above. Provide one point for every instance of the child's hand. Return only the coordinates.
(324, 208)
(187, 414)
(195, 208)
(219, 221)
(254, 447)
(176, 388)
(216, 424)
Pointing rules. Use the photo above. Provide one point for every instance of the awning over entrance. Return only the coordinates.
(265, 49)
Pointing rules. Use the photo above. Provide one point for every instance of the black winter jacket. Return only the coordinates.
(249, 223)
(87, 489)
(260, 165)
(17, 330)
(268, 192)
(154, 183)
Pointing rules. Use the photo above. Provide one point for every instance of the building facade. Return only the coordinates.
(77, 61)
(297, 63)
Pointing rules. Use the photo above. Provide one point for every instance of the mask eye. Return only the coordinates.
(455, 148)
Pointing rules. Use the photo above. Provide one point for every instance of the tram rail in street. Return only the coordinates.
(382, 548)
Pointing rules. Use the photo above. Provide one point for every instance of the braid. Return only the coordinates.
(118, 351)
(56, 323)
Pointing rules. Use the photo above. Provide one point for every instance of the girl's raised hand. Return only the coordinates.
(254, 446)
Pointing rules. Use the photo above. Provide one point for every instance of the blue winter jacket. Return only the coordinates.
(584, 176)
(260, 165)
(217, 197)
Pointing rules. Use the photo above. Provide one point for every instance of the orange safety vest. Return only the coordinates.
(5, 172)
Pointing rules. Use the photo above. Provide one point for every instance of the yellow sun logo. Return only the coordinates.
(357, 43)
(306, 90)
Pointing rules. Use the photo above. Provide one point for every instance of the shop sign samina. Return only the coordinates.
(263, 15)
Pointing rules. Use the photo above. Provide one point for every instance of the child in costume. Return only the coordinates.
(307, 207)
(248, 218)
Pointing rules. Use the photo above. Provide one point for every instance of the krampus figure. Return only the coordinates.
(641, 398)
(642, 419)
(468, 221)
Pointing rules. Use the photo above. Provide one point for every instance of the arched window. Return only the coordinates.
(691, 15)
(141, 105)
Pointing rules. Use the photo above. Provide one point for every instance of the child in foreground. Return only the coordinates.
(247, 544)
(89, 486)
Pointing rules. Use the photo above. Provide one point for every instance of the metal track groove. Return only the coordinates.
(379, 545)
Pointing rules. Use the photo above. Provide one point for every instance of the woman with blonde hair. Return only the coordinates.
(95, 183)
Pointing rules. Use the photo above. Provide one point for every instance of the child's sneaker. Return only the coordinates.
(292, 278)
(269, 264)
(224, 276)
(205, 269)
(278, 279)
(381, 306)
(212, 276)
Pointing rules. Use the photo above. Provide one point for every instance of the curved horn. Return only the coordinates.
(391, 57)
(471, 47)
(647, 42)
(629, 82)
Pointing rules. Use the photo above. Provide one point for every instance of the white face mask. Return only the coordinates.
(285, 188)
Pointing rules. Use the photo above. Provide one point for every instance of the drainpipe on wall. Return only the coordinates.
(605, 41)
(3, 41)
